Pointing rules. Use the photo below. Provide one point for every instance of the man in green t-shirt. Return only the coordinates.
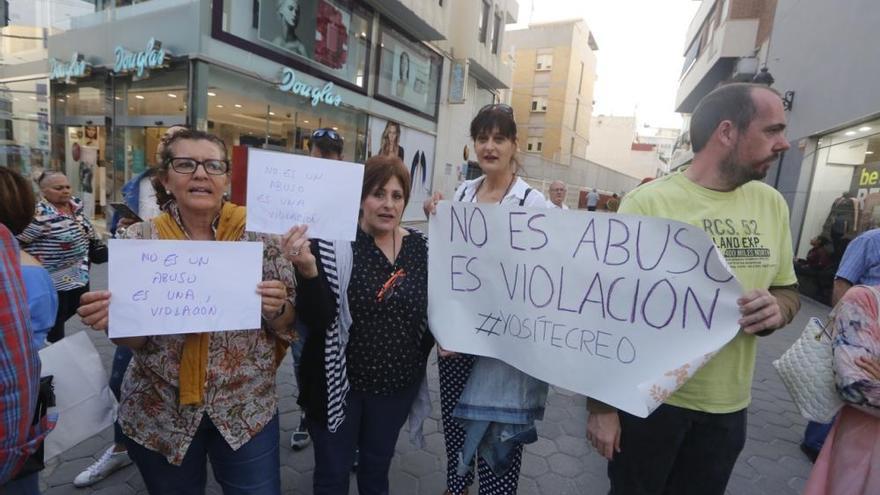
(689, 445)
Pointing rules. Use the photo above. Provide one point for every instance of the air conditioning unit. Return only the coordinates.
(745, 69)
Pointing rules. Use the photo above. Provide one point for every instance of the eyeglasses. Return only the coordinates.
(328, 133)
(387, 290)
(501, 107)
(183, 165)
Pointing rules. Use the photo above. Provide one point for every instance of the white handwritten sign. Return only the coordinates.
(171, 287)
(620, 308)
(284, 190)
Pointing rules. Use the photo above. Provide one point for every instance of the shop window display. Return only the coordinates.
(844, 202)
(409, 73)
(331, 36)
(24, 126)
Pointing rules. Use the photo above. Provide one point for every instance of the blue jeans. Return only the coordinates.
(814, 435)
(253, 469)
(372, 423)
(121, 358)
(29, 485)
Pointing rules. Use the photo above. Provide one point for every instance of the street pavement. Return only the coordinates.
(561, 462)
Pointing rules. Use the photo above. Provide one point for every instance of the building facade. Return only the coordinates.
(114, 77)
(552, 92)
(618, 144)
(831, 174)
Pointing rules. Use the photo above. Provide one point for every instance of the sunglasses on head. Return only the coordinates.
(328, 133)
(501, 107)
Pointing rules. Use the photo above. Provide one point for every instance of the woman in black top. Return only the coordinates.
(365, 303)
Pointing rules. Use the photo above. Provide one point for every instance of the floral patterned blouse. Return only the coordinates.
(240, 396)
(857, 333)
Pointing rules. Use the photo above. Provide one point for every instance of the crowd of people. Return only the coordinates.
(354, 315)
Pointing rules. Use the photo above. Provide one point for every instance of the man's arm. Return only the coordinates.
(841, 285)
(19, 362)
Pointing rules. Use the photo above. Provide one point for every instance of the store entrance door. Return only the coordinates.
(135, 150)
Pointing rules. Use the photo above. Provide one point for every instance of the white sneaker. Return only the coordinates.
(108, 463)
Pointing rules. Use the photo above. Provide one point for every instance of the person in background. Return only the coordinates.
(613, 203)
(140, 195)
(489, 391)
(848, 461)
(366, 305)
(59, 237)
(325, 143)
(189, 398)
(16, 212)
(557, 195)
(860, 265)
(592, 199)
(21, 432)
(691, 442)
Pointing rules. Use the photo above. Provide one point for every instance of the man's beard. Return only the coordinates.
(736, 173)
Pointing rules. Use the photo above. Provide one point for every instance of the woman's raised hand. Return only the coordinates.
(297, 249)
(430, 204)
(94, 309)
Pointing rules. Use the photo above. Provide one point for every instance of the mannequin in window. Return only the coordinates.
(289, 11)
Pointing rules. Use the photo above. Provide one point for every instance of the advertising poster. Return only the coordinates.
(408, 73)
(416, 150)
(316, 30)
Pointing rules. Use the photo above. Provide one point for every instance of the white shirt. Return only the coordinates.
(551, 204)
(147, 207)
(513, 197)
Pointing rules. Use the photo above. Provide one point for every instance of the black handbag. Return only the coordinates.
(45, 399)
(98, 252)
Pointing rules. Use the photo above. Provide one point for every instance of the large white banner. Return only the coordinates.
(617, 307)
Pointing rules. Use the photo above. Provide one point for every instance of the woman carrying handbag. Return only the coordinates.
(849, 463)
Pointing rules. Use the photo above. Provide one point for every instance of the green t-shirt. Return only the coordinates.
(750, 226)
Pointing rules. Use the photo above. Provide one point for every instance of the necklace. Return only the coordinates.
(506, 191)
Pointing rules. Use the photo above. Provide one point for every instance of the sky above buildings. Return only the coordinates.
(640, 57)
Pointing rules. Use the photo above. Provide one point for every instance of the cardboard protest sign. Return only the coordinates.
(284, 190)
(171, 287)
(617, 307)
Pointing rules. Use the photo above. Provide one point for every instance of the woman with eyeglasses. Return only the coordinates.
(189, 398)
(365, 303)
(58, 237)
(139, 194)
(474, 426)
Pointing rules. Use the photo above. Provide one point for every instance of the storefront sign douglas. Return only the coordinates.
(323, 94)
(154, 57)
(68, 71)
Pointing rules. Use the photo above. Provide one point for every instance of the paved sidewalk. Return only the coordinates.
(560, 463)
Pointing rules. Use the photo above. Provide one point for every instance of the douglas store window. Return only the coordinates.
(409, 74)
(326, 38)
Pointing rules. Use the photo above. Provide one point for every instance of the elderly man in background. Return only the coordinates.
(557, 195)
